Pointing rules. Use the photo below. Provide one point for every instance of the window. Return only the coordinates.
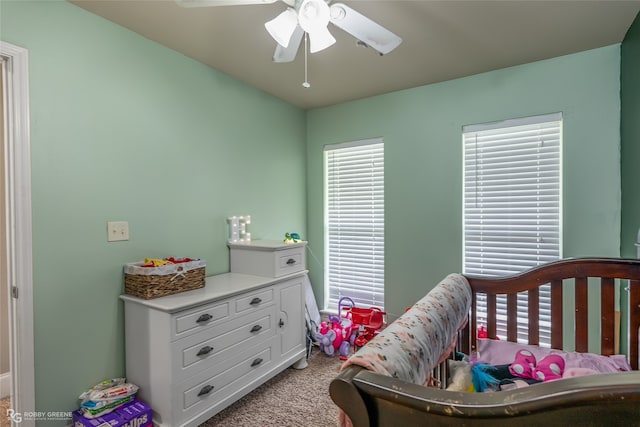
(354, 223)
(512, 205)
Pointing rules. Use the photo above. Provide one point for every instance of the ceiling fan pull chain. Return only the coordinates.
(306, 83)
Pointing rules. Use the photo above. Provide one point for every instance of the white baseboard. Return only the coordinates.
(5, 385)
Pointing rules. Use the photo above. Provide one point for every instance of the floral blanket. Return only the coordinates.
(410, 347)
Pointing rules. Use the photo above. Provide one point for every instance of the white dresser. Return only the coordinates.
(193, 354)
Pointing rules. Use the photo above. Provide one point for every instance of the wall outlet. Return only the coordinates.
(117, 231)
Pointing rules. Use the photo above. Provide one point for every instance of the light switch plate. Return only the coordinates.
(117, 231)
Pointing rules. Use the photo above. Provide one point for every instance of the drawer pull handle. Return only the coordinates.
(256, 328)
(291, 261)
(204, 318)
(281, 323)
(205, 350)
(255, 301)
(256, 362)
(205, 390)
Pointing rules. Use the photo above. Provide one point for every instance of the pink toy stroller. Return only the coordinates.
(338, 335)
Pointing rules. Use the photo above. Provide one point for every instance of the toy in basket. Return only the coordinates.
(157, 278)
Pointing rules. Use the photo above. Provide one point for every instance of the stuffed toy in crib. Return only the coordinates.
(525, 370)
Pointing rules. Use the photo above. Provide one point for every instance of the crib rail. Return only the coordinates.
(598, 400)
(587, 274)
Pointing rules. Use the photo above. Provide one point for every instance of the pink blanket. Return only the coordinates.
(420, 339)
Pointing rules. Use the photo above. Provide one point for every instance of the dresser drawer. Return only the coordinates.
(254, 300)
(213, 387)
(208, 348)
(289, 261)
(199, 318)
(267, 258)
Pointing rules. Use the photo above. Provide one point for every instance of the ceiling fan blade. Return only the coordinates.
(363, 28)
(288, 54)
(206, 3)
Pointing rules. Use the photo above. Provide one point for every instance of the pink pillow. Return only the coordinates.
(497, 352)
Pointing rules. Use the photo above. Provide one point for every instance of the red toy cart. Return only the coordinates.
(367, 320)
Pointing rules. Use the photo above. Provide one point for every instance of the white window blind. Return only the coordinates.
(512, 205)
(354, 223)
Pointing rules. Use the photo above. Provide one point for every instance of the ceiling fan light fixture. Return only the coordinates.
(313, 16)
(320, 40)
(281, 28)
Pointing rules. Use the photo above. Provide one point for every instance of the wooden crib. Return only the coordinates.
(371, 399)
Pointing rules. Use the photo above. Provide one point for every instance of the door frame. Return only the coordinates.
(17, 179)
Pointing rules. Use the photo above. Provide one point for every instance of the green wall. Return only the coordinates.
(125, 129)
(630, 135)
(422, 128)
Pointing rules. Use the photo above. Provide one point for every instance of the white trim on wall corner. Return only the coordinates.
(5, 385)
(20, 263)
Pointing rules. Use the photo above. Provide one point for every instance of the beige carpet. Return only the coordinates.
(293, 398)
(5, 405)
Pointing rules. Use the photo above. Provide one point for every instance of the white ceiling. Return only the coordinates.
(442, 40)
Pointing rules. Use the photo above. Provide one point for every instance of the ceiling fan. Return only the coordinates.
(313, 17)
